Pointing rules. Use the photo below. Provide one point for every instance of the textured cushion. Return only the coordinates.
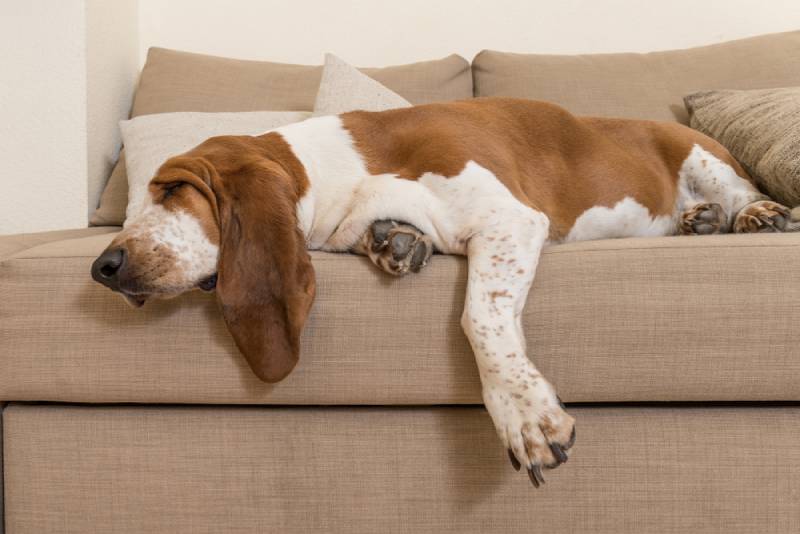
(11, 244)
(114, 198)
(645, 86)
(345, 88)
(181, 81)
(761, 129)
(152, 139)
(651, 319)
(731, 470)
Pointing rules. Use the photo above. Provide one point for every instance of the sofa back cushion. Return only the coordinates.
(645, 86)
(182, 81)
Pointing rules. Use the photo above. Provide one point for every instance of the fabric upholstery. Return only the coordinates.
(642, 86)
(651, 319)
(181, 81)
(13, 243)
(151, 139)
(761, 129)
(344, 88)
(439, 470)
(114, 198)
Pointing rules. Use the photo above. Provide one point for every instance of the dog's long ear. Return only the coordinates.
(265, 283)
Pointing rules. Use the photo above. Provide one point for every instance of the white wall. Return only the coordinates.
(43, 103)
(69, 66)
(380, 32)
(112, 67)
(67, 76)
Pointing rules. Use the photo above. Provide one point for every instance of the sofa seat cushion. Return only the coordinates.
(661, 319)
(11, 244)
(422, 469)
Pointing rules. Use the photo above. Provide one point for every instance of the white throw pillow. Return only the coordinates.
(150, 140)
(344, 88)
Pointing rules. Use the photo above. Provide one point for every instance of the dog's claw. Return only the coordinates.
(535, 474)
(558, 453)
(514, 462)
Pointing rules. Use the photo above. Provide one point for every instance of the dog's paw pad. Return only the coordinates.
(703, 219)
(379, 235)
(400, 244)
(397, 248)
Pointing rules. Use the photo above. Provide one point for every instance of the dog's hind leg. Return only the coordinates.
(716, 199)
(529, 417)
(395, 247)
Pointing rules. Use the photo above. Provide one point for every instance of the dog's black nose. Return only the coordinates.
(106, 267)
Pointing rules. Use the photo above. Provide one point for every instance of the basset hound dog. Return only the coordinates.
(493, 179)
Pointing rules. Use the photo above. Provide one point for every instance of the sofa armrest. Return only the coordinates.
(13, 243)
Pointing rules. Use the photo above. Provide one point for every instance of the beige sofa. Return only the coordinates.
(680, 357)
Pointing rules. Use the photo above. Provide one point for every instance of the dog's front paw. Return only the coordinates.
(533, 425)
(762, 216)
(397, 248)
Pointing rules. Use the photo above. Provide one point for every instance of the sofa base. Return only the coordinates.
(208, 469)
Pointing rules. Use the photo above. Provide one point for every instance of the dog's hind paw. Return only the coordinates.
(762, 216)
(703, 219)
(397, 248)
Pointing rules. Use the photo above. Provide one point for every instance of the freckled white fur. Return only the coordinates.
(182, 234)
(704, 178)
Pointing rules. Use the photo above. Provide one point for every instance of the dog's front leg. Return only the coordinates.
(527, 414)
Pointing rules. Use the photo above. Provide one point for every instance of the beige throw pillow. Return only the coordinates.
(152, 139)
(761, 128)
(344, 88)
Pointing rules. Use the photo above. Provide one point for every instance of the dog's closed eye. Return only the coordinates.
(171, 189)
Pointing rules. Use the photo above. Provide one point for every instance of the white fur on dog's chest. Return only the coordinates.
(448, 209)
(344, 199)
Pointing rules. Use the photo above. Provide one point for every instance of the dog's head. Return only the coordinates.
(224, 215)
